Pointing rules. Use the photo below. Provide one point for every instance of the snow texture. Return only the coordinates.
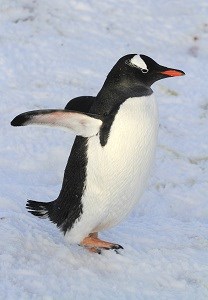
(51, 51)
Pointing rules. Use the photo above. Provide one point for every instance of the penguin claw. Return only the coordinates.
(98, 251)
(116, 247)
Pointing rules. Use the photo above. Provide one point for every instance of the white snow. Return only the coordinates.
(52, 51)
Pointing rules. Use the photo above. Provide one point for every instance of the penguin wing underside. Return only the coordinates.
(83, 124)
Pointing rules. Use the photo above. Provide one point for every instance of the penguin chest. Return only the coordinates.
(117, 173)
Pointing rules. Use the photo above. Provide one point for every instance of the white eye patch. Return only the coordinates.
(138, 62)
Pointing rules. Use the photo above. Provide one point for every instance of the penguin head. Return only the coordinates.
(139, 68)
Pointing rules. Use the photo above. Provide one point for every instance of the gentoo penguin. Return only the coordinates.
(111, 158)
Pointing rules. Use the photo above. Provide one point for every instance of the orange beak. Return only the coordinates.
(173, 73)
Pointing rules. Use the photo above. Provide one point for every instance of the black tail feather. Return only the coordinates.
(40, 209)
(58, 212)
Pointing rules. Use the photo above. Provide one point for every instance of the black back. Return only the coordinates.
(82, 104)
(68, 206)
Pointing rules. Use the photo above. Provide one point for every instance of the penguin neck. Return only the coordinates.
(115, 92)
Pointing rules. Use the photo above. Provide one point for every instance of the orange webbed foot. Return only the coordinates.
(93, 244)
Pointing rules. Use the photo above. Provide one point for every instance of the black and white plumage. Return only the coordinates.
(112, 154)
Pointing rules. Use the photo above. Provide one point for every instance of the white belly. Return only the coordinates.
(117, 173)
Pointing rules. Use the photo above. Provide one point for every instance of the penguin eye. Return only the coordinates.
(144, 70)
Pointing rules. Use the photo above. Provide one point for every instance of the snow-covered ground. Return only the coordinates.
(51, 51)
